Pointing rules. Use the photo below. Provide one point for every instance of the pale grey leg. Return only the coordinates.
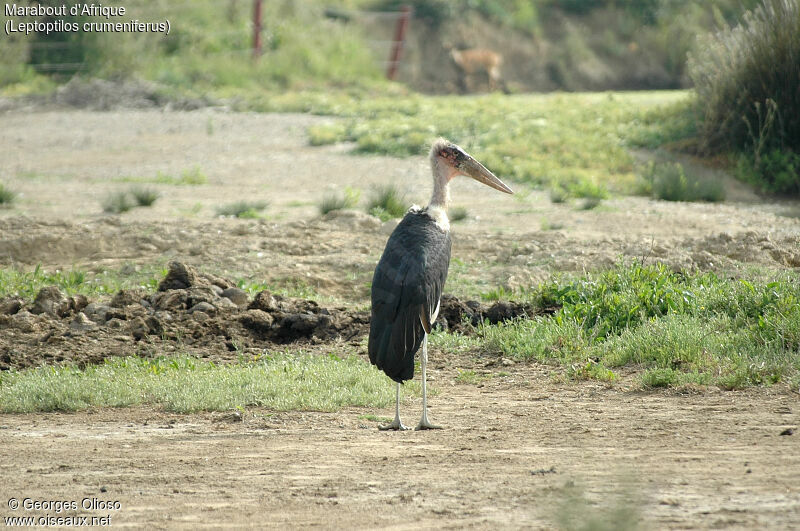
(424, 423)
(396, 424)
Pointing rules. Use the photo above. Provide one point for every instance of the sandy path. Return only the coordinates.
(517, 451)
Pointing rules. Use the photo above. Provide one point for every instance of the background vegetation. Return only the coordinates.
(746, 79)
(308, 43)
(744, 69)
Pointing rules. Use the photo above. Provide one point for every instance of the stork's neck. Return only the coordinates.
(441, 186)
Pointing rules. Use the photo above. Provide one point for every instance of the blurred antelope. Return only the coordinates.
(475, 60)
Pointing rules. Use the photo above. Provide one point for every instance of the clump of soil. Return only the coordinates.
(196, 313)
(456, 315)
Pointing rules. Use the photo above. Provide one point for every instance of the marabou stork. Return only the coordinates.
(408, 282)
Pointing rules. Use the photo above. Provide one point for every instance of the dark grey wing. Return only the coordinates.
(406, 289)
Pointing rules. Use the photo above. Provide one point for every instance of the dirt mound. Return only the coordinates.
(196, 312)
(462, 316)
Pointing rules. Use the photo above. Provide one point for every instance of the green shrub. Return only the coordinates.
(746, 78)
(587, 189)
(669, 181)
(776, 171)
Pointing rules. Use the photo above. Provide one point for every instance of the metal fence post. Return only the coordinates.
(399, 40)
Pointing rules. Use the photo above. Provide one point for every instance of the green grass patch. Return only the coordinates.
(280, 382)
(673, 124)
(287, 287)
(193, 176)
(471, 377)
(576, 141)
(242, 209)
(26, 284)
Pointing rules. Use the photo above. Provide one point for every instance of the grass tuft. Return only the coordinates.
(118, 202)
(7, 196)
(334, 201)
(145, 196)
(386, 202)
(192, 177)
(458, 213)
(558, 194)
(242, 209)
(590, 203)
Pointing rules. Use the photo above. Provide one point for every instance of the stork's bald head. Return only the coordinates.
(449, 160)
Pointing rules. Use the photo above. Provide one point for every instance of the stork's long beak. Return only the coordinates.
(472, 168)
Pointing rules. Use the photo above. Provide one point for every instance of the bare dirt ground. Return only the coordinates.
(520, 449)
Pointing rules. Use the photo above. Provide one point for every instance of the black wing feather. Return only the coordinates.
(408, 282)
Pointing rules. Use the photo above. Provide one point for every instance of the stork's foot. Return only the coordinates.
(425, 424)
(396, 425)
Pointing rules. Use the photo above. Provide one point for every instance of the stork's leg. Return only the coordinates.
(424, 423)
(396, 424)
